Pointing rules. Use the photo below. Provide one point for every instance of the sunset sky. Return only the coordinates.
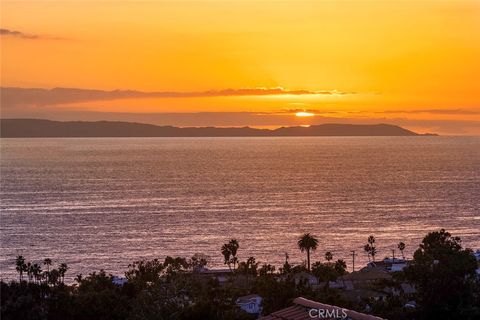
(237, 63)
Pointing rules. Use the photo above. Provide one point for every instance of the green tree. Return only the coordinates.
(249, 267)
(198, 262)
(443, 273)
(325, 272)
(266, 269)
(175, 265)
(98, 298)
(143, 272)
(340, 267)
(307, 243)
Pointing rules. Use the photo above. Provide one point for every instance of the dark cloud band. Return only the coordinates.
(18, 34)
(12, 96)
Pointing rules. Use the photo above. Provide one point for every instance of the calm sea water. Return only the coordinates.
(103, 203)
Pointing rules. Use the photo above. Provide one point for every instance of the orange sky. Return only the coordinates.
(399, 61)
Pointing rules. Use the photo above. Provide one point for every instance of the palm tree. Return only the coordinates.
(62, 270)
(226, 255)
(79, 278)
(373, 250)
(401, 247)
(20, 266)
(37, 272)
(233, 249)
(29, 271)
(307, 243)
(328, 256)
(48, 263)
(367, 250)
(229, 252)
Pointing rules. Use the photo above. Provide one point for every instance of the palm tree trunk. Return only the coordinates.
(308, 259)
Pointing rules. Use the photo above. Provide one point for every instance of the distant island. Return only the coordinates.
(38, 128)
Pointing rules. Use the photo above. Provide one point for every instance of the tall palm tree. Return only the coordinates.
(401, 247)
(367, 250)
(233, 249)
(229, 252)
(307, 243)
(37, 272)
(20, 266)
(373, 249)
(48, 263)
(29, 271)
(62, 270)
(227, 255)
(328, 256)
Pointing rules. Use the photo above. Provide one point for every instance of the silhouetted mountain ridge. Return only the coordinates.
(39, 128)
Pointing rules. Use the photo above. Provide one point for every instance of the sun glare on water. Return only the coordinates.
(304, 114)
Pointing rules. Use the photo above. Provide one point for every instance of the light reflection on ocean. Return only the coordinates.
(102, 203)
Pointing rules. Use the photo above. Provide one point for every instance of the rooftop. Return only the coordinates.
(368, 274)
(247, 297)
(301, 307)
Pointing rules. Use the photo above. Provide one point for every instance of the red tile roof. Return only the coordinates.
(301, 307)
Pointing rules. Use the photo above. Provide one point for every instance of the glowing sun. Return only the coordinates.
(304, 114)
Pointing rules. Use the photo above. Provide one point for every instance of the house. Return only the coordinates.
(221, 275)
(477, 256)
(365, 294)
(251, 303)
(119, 281)
(368, 274)
(364, 285)
(306, 278)
(303, 309)
(389, 264)
(408, 290)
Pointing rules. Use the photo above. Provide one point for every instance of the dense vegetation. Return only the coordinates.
(175, 288)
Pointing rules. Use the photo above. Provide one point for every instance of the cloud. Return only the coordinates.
(18, 34)
(433, 111)
(290, 111)
(12, 96)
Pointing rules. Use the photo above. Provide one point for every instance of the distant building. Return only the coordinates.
(408, 290)
(221, 275)
(119, 281)
(307, 309)
(368, 274)
(477, 256)
(251, 303)
(363, 285)
(389, 264)
(305, 277)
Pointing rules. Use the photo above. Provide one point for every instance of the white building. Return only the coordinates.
(250, 304)
(119, 281)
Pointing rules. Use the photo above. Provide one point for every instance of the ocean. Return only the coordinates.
(102, 203)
